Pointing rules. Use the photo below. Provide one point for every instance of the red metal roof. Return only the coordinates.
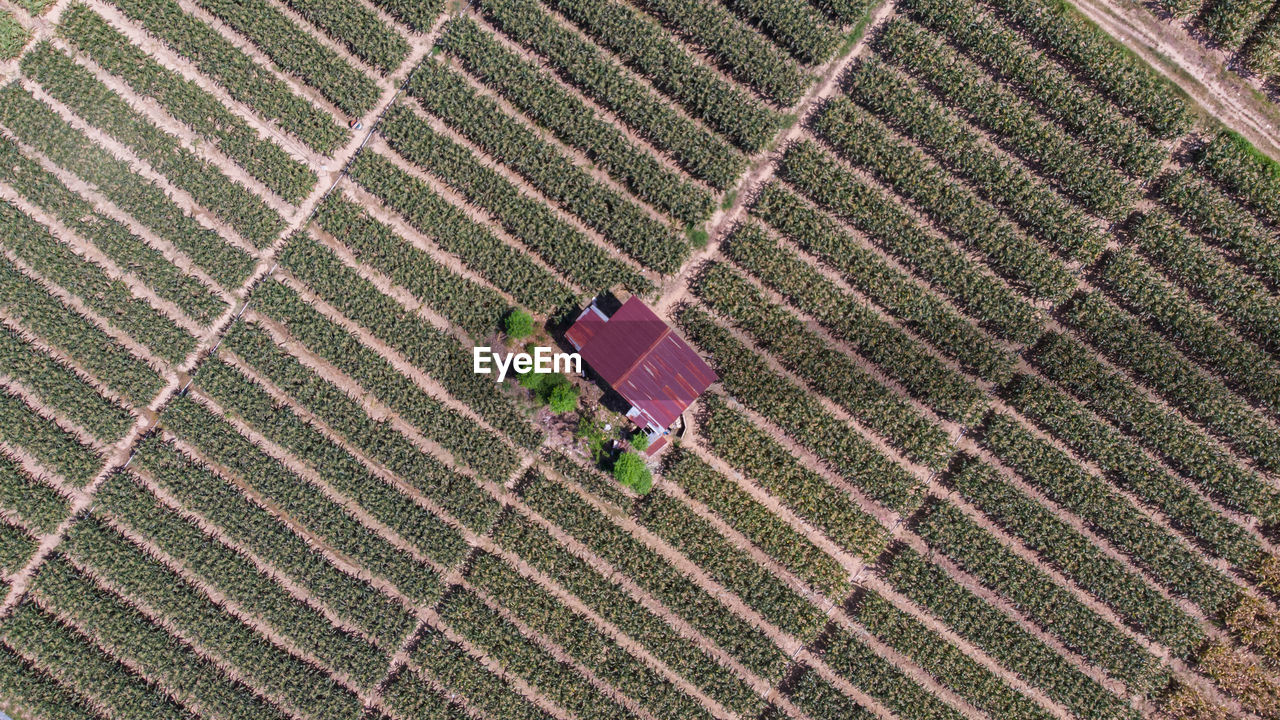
(639, 356)
(585, 326)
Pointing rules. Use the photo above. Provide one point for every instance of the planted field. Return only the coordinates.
(995, 430)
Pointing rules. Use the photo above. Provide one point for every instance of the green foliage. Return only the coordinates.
(821, 178)
(639, 440)
(630, 471)
(583, 65)
(743, 54)
(188, 103)
(642, 45)
(622, 222)
(563, 398)
(13, 37)
(563, 246)
(535, 92)
(34, 122)
(235, 71)
(518, 324)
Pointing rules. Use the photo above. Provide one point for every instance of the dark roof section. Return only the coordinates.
(639, 356)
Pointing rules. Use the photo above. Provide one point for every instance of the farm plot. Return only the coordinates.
(996, 432)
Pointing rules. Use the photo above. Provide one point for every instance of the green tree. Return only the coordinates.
(631, 471)
(518, 324)
(563, 398)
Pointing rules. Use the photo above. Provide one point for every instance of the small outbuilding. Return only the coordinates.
(644, 361)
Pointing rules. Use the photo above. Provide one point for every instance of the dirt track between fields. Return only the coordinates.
(1169, 49)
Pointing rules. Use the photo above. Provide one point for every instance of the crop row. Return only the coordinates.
(1126, 465)
(732, 567)
(1219, 220)
(357, 28)
(976, 620)
(233, 577)
(76, 672)
(1015, 123)
(1203, 272)
(35, 245)
(1156, 362)
(794, 25)
(545, 614)
(976, 551)
(558, 242)
(1057, 475)
(32, 501)
(235, 71)
(948, 392)
(828, 370)
(1184, 446)
(437, 352)
(308, 505)
(1133, 282)
(1098, 60)
(763, 528)
(203, 623)
(102, 108)
(31, 688)
(646, 48)
(1001, 181)
(583, 65)
(297, 52)
(534, 92)
(623, 223)
(865, 141)
(17, 547)
(53, 447)
(27, 302)
(704, 612)
(604, 596)
(1249, 176)
(115, 240)
(347, 475)
(449, 227)
(60, 389)
(732, 436)
(449, 666)
(743, 53)
(1229, 23)
(844, 652)
(1066, 548)
(255, 529)
(471, 306)
(342, 415)
(487, 631)
(39, 126)
(849, 454)
(407, 694)
(432, 349)
(828, 185)
(124, 632)
(187, 102)
(821, 177)
(916, 307)
(1057, 94)
(1261, 53)
(470, 443)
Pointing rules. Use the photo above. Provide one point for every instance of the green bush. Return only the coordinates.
(630, 471)
(518, 324)
(640, 441)
(563, 398)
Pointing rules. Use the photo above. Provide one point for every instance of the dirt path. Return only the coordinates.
(1169, 49)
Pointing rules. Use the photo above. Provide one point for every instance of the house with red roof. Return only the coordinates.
(644, 361)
